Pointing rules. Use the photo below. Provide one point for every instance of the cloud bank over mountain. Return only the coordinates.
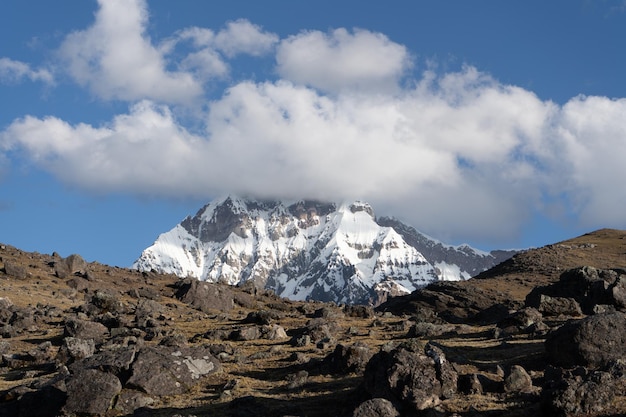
(345, 114)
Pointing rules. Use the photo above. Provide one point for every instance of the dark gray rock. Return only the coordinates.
(163, 370)
(205, 296)
(45, 402)
(74, 348)
(586, 285)
(518, 380)
(130, 400)
(91, 392)
(147, 309)
(521, 321)
(262, 317)
(84, 329)
(359, 311)
(72, 264)
(15, 270)
(347, 359)
(116, 362)
(273, 332)
(404, 376)
(376, 407)
(557, 306)
(246, 333)
(107, 302)
(578, 392)
(446, 374)
(594, 341)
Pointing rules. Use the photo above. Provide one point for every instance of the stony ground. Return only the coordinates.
(478, 343)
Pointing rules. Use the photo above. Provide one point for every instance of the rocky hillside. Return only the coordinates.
(544, 334)
(309, 250)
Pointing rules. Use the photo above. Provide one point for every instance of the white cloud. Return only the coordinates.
(239, 37)
(144, 151)
(115, 59)
(341, 60)
(591, 141)
(457, 154)
(439, 153)
(243, 37)
(12, 71)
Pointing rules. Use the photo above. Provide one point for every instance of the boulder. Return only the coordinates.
(45, 402)
(273, 332)
(15, 270)
(581, 392)
(107, 301)
(130, 400)
(245, 333)
(69, 266)
(147, 309)
(521, 321)
(205, 296)
(116, 362)
(558, 306)
(359, 311)
(405, 376)
(518, 380)
(347, 359)
(446, 374)
(594, 341)
(376, 407)
(84, 329)
(164, 370)
(91, 392)
(74, 348)
(587, 286)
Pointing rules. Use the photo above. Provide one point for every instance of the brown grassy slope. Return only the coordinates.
(604, 248)
(263, 368)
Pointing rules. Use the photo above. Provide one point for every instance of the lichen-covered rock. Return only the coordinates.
(74, 348)
(164, 370)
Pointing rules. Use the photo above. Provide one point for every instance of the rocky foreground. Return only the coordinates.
(543, 333)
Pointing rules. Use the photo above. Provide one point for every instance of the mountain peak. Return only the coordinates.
(305, 249)
(358, 206)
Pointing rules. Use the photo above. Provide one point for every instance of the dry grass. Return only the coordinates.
(263, 368)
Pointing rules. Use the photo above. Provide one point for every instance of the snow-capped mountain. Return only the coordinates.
(307, 250)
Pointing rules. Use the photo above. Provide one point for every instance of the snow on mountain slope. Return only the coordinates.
(301, 250)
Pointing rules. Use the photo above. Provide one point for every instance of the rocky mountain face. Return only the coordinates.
(310, 250)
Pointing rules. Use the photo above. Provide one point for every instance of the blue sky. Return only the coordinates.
(499, 124)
